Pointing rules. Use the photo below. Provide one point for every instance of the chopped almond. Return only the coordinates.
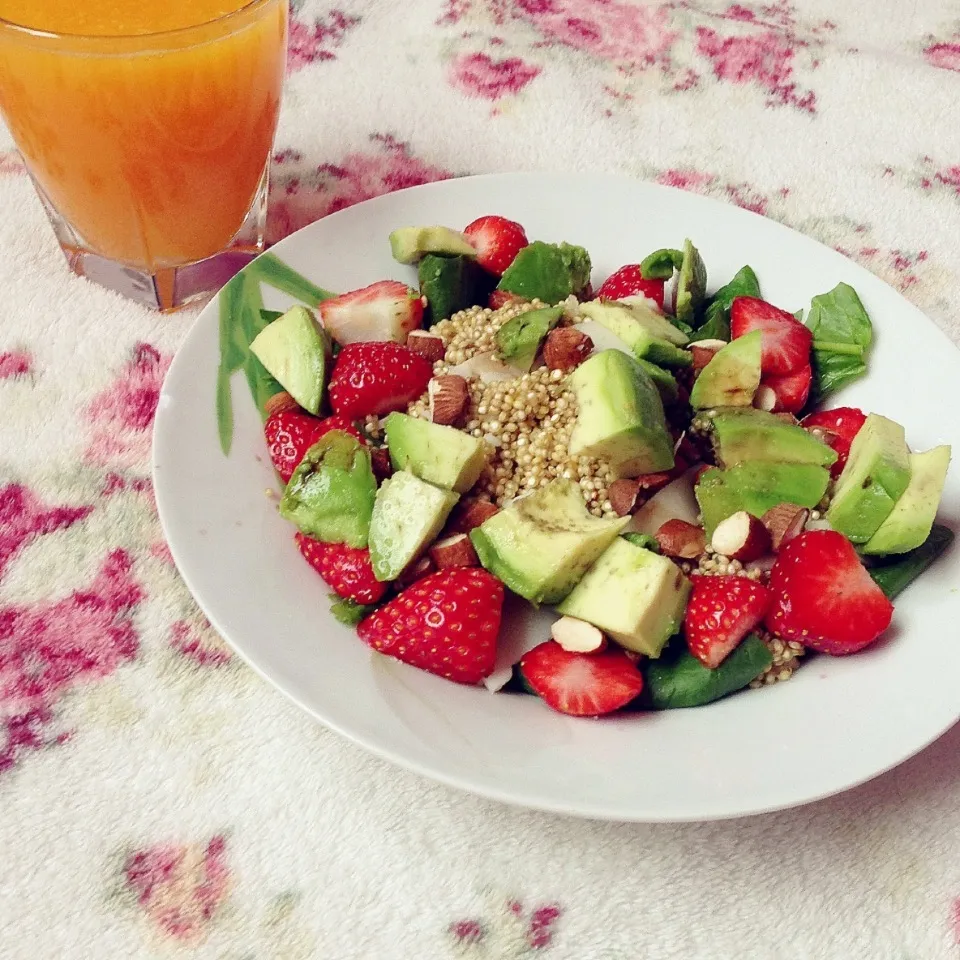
(455, 551)
(680, 539)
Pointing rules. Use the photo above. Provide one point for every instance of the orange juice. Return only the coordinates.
(147, 124)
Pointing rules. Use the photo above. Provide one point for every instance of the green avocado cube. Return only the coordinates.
(440, 455)
(519, 339)
(451, 284)
(410, 244)
(547, 271)
(743, 433)
(731, 377)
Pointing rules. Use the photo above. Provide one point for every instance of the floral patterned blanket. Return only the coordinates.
(159, 800)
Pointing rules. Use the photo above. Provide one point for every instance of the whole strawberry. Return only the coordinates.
(628, 281)
(497, 241)
(376, 377)
(446, 623)
(720, 613)
(346, 570)
(290, 433)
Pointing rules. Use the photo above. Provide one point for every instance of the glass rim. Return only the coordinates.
(177, 33)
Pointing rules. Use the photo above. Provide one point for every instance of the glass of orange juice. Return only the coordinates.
(147, 126)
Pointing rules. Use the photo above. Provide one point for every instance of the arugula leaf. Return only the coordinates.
(660, 264)
(842, 333)
(271, 269)
(716, 318)
(349, 612)
(896, 574)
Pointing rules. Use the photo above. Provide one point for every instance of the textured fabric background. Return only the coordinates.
(157, 800)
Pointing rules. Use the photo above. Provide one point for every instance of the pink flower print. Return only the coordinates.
(954, 921)
(15, 363)
(47, 648)
(686, 180)
(312, 44)
(199, 644)
(180, 887)
(946, 56)
(478, 75)
(510, 923)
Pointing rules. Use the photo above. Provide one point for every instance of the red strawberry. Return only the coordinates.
(446, 623)
(837, 427)
(291, 433)
(581, 684)
(497, 241)
(387, 310)
(721, 612)
(792, 390)
(375, 378)
(785, 340)
(500, 298)
(629, 282)
(347, 570)
(823, 596)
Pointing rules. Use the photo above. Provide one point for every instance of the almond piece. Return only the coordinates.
(426, 344)
(677, 538)
(741, 537)
(566, 348)
(652, 482)
(701, 356)
(765, 398)
(467, 515)
(448, 399)
(381, 463)
(577, 636)
(784, 522)
(624, 497)
(420, 568)
(279, 402)
(455, 551)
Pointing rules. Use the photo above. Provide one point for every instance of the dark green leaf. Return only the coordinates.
(831, 371)
(349, 612)
(660, 264)
(643, 540)
(716, 318)
(271, 269)
(251, 321)
(895, 574)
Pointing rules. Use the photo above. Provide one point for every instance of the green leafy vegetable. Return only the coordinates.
(691, 284)
(643, 540)
(349, 612)
(842, 334)
(716, 318)
(251, 320)
(660, 264)
(895, 575)
(271, 269)
(517, 683)
(232, 356)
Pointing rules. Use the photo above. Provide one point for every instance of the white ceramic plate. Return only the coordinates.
(837, 723)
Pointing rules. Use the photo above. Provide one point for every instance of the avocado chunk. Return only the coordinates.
(620, 416)
(519, 339)
(548, 271)
(410, 244)
(330, 495)
(691, 284)
(756, 486)
(732, 376)
(663, 380)
(440, 455)
(451, 284)
(910, 521)
(407, 516)
(635, 595)
(540, 545)
(294, 349)
(642, 329)
(894, 576)
(875, 476)
(742, 433)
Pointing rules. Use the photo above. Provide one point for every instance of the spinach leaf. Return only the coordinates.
(660, 264)
(716, 318)
(842, 333)
(895, 575)
(349, 612)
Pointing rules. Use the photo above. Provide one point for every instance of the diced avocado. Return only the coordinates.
(894, 576)
(440, 455)
(645, 312)
(691, 284)
(620, 416)
(451, 284)
(756, 486)
(625, 324)
(743, 433)
(663, 380)
(910, 521)
(294, 349)
(410, 244)
(875, 476)
(330, 495)
(407, 516)
(518, 340)
(540, 545)
(731, 378)
(548, 271)
(636, 596)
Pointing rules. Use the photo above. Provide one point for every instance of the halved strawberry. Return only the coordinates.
(497, 240)
(446, 623)
(346, 570)
(837, 428)
(629, 282)
(581, 684)
(785, 341)
(375, 378)
(792, 390)
(291, 433)
(387, 310)
(720, 613)
(823, 596)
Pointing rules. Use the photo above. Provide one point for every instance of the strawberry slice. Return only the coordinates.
(346, 570)
(446, 623)
(581, 684)
(629, 282)
(387, 310)
(291, 433)
(792, 389)
(720, 613)
(785, 341)
(837, 428)
(497, 241)
(376, 378)
(824, 597)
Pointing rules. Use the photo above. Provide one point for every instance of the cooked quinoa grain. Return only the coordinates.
(786, 659)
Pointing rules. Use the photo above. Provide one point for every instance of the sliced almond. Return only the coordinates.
(469, 514)
(741, 537)
(448, 396)
(652, 482)
(784, 522)
(279, 402)
(765, 398)
(417, 571)
(426, 344)
(702, 355)
(566, 348)
(577, 636)
(680, 539)
(710, 344)
(624, 497)
(488, 367)
(455, 551)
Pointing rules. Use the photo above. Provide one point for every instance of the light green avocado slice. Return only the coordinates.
(624, 322)
(635, 595)
(440, 455)
(541, 544)
(874, 478)
(691, 285)
(743, 433)
(664, 381)
(407, 516)
(295, 350)
(519, 339)
(732, 376)
(410, 244)
(909, 523)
